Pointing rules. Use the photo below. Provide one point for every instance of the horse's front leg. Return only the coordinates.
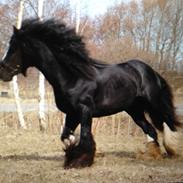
(82, 155)
(67, 135)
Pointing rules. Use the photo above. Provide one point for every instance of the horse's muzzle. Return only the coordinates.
(4, 74)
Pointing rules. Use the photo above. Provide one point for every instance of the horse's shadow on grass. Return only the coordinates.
(35, 157)
(120, 154)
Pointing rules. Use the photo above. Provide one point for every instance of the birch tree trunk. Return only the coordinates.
(42, 119)
(78, 8)
(14, 82)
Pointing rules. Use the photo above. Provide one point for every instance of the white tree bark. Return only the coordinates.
(42, 118)
(78, 9)
(14, 82)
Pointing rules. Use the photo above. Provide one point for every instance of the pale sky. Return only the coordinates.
(96, 7)
(93, 7)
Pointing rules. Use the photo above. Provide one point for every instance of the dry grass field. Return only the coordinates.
(34, 157)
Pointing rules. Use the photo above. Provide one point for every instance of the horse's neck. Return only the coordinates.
(56, 75)
(46, 63)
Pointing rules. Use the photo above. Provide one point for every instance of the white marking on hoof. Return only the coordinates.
(149, 139)
(72, 139)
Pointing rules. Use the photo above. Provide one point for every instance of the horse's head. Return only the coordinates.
(39, 43)
(11, 63)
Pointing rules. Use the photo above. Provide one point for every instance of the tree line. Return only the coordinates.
(148, 29)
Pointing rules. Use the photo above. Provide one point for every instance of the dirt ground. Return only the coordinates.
(34, 157)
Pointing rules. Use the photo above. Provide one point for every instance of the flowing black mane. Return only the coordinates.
(57, 33)
(62, 41)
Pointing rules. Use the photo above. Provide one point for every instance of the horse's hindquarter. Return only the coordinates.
(116, 90)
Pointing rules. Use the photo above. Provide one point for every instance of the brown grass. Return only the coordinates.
(30, 156)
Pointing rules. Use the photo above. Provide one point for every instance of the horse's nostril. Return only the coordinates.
(1, 64)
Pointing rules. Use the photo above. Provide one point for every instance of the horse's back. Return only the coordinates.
(117, 87)
(151, 81)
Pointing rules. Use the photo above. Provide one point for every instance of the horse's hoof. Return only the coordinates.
(76, 157)
(84, 160)
(152, 152)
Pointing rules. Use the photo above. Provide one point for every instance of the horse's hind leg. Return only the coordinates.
(152, 147)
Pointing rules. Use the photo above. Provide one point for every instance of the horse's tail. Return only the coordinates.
(162, 113)
(162, 108)
(165, 107)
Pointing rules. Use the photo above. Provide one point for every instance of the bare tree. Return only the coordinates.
(14, 82)
(150, 29)
(42, 118)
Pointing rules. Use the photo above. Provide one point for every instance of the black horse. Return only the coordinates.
(86, 88)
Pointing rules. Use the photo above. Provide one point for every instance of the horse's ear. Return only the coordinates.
(15, 30)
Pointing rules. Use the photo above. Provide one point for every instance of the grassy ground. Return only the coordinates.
(33, 157)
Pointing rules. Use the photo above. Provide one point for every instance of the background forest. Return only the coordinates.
(149, 29)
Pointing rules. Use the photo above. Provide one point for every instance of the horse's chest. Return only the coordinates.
(62, 103)
(62, 106)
